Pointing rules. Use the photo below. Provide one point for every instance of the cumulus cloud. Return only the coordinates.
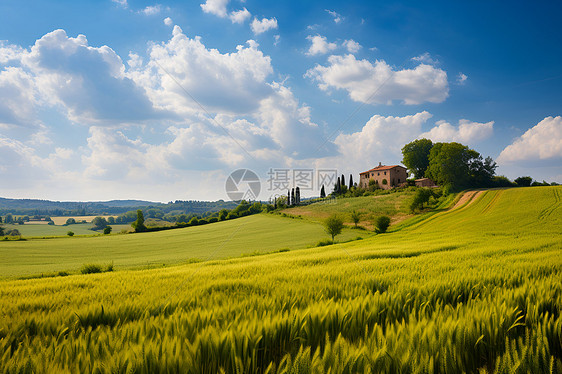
(216, 7)
(151, 10)
(319, 45)
(461, 79)
(426, 59)
(240, 16)
(17, 93)
(259, 27)
(379, 83)
(337, 17)
(168, 21)
(380, 139)
(123, 3)
(352, 46)
(85, 80)
(467, 132)
(541, 142)
(183, 67)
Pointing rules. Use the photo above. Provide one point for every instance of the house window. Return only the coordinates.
(398, 180)
(385, 173)
(379, 173)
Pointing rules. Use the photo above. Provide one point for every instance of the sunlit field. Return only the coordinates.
(475, 289)
(250, 235)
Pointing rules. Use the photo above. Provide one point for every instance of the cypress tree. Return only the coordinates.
(342, 181)
(298, 195)
(288, 197)
(350, 181)
(322, 192)
(293, 196)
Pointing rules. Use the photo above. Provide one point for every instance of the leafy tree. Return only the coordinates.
(111, 220)
(194, 221)
(1, 216)
(333, 226)
(355, 217)
(222, 214)
(70, 221)
(482, 172)
(322, 192)
(449, 164)
(416, 156)
(138, 225)
(421, 197)
(14, 232)
(524, 181)
(107, 230)
(70, 233)
(384, 181)
(99, 223)
(1, 230)
(9, 218)
(381, 224)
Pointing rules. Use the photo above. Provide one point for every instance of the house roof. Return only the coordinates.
(383, 167)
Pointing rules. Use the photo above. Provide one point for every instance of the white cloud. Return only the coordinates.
(18, 102)
(277, 39)
(240, 16)
(337, 17)
(216, 7)
(426, 59)
(381, 139)
(467, 132)
(229, 82)
(541, 142)
(378, 83)
(152, 10)
(259, 27)
(9, 52)
(168, 21)
(319, 45)
(85, 80)
(352, 46)
(123, 3)
(461, 79)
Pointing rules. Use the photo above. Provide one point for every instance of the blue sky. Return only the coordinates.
(162, 100)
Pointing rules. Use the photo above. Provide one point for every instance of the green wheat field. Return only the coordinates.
(476, 289)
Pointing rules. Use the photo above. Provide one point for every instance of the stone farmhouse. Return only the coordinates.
(386, 177)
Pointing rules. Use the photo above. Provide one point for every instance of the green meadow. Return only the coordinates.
(475, 289)
(249, 235)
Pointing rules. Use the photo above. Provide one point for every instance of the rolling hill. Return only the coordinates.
(472, 289)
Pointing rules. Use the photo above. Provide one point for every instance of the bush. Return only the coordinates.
(213, 219)
(109, 267)
(91, 269)
(381, 224)
(107, 230)
(325, 242)
(50, 223)
(70, 233)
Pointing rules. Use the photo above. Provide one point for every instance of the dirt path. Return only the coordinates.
(468, 197)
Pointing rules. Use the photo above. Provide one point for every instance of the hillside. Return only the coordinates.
(259, 233)
(474, 289)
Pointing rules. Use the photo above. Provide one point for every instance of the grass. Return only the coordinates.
(262, 233)
(475, 289)
(394, 205)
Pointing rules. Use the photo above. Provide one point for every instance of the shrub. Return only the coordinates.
(107, 230)
(62, 274)
(381, 224)
(213, 219)
(325, 242)
(50, 223)
(70, 233)
(91, 269)
(109, 267)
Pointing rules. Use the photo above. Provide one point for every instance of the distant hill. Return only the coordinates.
(81, 208)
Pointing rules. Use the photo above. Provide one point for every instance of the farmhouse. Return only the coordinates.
(425, 182)
(385, 177)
